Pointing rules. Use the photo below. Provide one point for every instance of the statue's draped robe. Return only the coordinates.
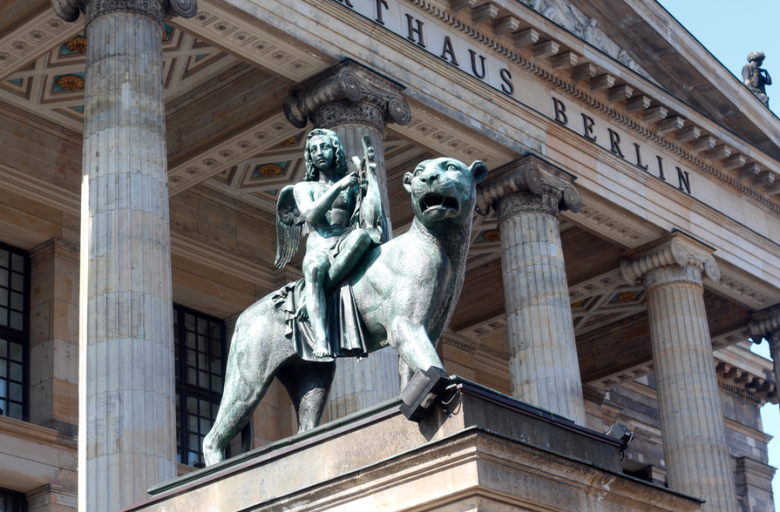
(343, 325)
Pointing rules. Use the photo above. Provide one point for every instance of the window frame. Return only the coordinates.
(14, 495)
(184, 389)
(22, 337)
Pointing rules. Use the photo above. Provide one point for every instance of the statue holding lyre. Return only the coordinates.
(342, 214)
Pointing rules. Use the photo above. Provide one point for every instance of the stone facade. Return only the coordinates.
(577, 299)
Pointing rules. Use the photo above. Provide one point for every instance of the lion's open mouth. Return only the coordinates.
(431, 202)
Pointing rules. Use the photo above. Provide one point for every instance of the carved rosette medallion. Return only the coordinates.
(71, 82)
(158, 10)
(347, 93)
(270, 170)
(540, 187)
(492, 235)
(77, 45)
(676, 258)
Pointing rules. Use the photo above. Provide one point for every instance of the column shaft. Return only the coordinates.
(360, 385)
(127, 389)
(351, 135)
(697, 457)
(543, 355)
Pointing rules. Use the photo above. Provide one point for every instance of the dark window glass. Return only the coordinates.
(200, 363)
(12, 501)
(14, 332)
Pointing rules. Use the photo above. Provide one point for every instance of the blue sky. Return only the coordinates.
(730, 30)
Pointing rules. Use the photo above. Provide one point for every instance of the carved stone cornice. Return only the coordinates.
(53, 248)
(460, 342)
(158, 10)
(592, 394)
(674, 258)
(528, 183)
(765, 323)
(347, 93)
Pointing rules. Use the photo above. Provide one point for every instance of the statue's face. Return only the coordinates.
(322, 153)
(444, 189)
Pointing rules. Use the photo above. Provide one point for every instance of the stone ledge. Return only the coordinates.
(36, 433)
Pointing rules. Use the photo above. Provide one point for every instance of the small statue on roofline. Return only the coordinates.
(755, 78)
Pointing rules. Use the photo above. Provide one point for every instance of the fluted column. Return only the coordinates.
(697, 457)
(766, 324)
(354, 101)
(127, 440)
(528, 195)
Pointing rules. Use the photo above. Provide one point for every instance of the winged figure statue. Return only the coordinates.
(342, 214)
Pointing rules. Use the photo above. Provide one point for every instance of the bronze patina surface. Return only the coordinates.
(402, 292)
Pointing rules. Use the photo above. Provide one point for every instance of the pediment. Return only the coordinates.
(668, 55)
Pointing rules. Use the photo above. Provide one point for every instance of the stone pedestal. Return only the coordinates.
(527, 196)
(473, 460)
(354, 102)
(127, 439)
(697, 456)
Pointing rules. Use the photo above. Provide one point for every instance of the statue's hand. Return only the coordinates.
(348, 181)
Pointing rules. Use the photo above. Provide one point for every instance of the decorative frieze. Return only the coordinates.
(233, 151)
(460, 342)
(158, 10)
(33, 39)
(347, 93)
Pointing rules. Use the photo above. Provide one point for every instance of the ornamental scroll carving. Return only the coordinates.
(347, 93)
(766, 323)
(158, 10)
(675, 258)
(530, 176)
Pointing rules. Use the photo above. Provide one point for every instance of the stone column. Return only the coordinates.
(127, 440)
(697, 457)
(354, 101)
(766, 324)
(528, 195)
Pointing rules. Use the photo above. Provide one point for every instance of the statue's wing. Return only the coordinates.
(290, 226)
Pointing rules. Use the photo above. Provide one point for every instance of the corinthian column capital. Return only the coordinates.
(674, 258)
(531, 184)
(158, 10)
(347, 93)
(766, 323)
